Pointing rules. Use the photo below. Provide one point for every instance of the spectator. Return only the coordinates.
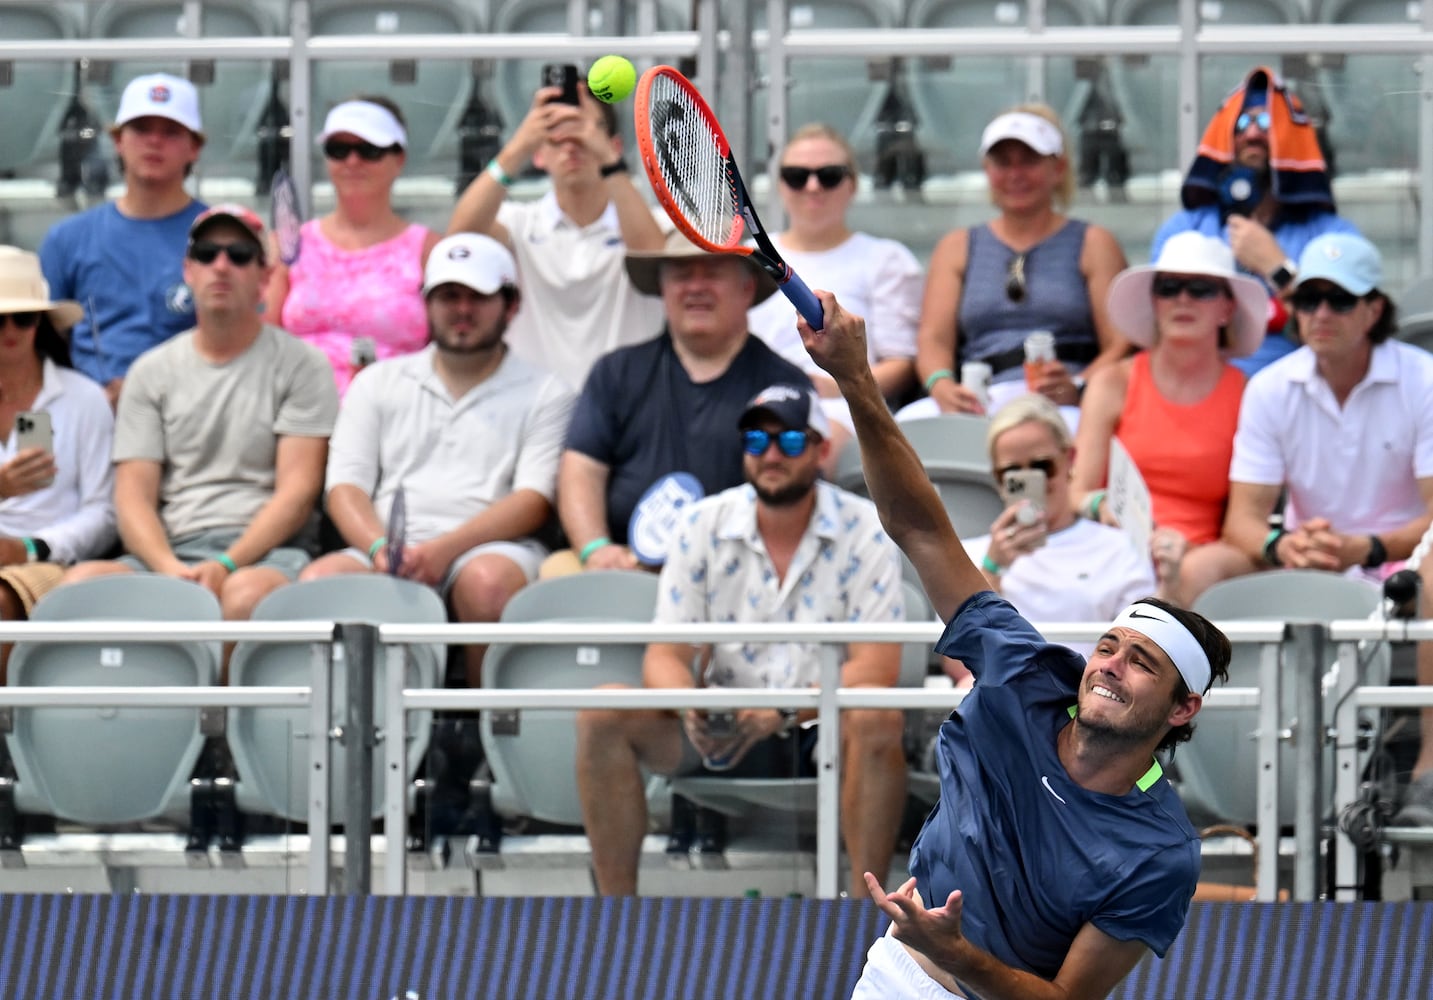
(221, 433)
(879, 278)
(122, 260)
(469, 433)
(654, 410)
(1057, 567)
(54, 505)
(783, 548)
(1260, 184)
(352, 293)
(1058, 854)
(1352, 400)
(570, 244)
(1175, 406)
(1030, 268)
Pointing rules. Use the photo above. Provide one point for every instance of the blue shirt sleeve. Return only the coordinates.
(991, 638)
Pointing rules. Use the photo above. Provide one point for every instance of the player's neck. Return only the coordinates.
(1101, 764)
(152, 201)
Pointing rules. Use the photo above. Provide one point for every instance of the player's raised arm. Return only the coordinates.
(909, 506)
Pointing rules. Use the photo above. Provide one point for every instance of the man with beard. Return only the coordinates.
(470, 435)
(1058, 852)
(783, 548)
(1260, 184)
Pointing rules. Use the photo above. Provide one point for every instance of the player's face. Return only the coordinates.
(463, 321)
(706, 298)
(155, 150)
(781, 480)
(1127, 692)
(222, 286)
(1021, 179)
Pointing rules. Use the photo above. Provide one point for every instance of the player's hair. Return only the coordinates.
(50, 343)
(1029, 409)
(1216, 647)
(1387, 323)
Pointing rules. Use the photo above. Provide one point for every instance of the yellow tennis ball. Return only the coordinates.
(611, 78)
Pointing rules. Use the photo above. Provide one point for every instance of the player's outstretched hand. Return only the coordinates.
(934, 933)
(839, 347)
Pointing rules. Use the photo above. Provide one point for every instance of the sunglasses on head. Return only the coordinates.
(1045, 465)
(23, 320)
(239, 254)
(791, 443)
(1339, 301)
(828, 177)
(1247, 118)
(1201, 289)
(1015, 279)
(338, 149)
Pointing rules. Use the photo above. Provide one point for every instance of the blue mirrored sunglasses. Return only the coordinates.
(1247, 118)
(791, 443)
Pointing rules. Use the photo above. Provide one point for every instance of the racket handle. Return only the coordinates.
(806, 303)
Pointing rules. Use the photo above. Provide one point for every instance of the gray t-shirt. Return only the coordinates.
(215, 429)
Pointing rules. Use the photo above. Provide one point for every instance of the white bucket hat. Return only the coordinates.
(160, 95)
(1131, 299)
(23, 288)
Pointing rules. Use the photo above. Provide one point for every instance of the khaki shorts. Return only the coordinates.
(31, 581)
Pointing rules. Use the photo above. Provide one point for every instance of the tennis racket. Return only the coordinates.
(690, 166)
(284, 216)
(397, 532)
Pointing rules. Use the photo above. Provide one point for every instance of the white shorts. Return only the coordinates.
(892, 974)
(527, 553)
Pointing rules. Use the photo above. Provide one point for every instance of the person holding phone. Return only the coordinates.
(569, 244)
(353, 292)
(55, 473)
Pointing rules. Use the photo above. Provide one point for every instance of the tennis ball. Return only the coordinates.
(611, 78)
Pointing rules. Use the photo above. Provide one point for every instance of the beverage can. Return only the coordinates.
(1039, 352)
(975, 376)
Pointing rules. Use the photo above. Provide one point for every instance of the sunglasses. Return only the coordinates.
(1199, 289)
(22, 321)
(1015, 279)
(829, 177)
(1247, 118)
(239, 254)
(338, 150)
(1045, 465)
(791, 443)
(1307, 300)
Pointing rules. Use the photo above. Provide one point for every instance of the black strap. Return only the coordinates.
(1077, 354)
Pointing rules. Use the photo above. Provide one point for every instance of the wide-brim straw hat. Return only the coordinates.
(644, 267)
(23, 288)
(1131, 300)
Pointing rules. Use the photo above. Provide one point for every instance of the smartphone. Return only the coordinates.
(562, 75)
(721, 725)
(1024, 484)
(33, 430)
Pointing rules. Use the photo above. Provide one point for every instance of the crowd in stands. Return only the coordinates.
(566, 385)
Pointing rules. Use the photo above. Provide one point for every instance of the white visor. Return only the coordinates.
(1172, 637)
(372, 123)
(1023, 127)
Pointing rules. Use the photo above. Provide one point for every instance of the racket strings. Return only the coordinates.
(692, 164)
(287, 219)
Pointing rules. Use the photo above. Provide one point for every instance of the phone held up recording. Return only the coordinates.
(1024, 489)
(564, 76)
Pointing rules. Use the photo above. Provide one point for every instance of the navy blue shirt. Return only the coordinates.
(642, 416)
(1035, 855)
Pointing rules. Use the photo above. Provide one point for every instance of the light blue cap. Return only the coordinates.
(1345, 259)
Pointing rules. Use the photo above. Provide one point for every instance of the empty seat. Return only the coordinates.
(1373, 100)
(34, 102)
(1415, 313)
(104, 765)
(271, 745)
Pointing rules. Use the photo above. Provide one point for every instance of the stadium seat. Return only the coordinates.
(956, 101)
(533, 752)
(952, 449)
(1372, 99)
(102, 765)
(231, 104)
(1415, 313)
(1217, 770)
(270, 745)
(34, 102)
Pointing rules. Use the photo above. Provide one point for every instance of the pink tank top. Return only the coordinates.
(336, 296)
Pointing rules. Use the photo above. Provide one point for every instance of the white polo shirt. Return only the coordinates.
(454, 458)
(577, 301)
(1357, 466)
(845, 569)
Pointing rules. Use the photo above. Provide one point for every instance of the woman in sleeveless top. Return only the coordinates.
(1030, 268)
(1175, 407)
(353, 292)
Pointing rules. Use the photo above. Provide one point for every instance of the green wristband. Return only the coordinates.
(990, 565)
(223, 559)
(936, 376)
(591, 547)
(378, 543)
(32, 554)
(1092, 506)
(495, 170)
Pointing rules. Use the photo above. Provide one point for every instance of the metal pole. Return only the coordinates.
(360, 650)
(1188, 118)
(1306, 641)
(319, 721)
(1035, 65)
(301, 104)
(1425, 152)
(777, 75)
(1266, 878)
(1346, 771)
(736, 74)
(828, 782)
(395, 772)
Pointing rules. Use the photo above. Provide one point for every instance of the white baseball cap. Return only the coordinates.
(160, 95)
(1024, 127)
(370, 122)
(472, 260)
(1343, 259)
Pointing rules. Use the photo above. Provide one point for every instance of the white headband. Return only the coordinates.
(1177, 642)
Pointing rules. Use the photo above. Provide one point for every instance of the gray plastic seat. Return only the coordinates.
(533, 751)
(1217, 770)
(1372, 98)
(270, 745)
(1415, 313)
(35, 101)
(103, 765)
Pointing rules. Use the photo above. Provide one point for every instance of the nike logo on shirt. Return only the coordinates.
(1045, 780)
